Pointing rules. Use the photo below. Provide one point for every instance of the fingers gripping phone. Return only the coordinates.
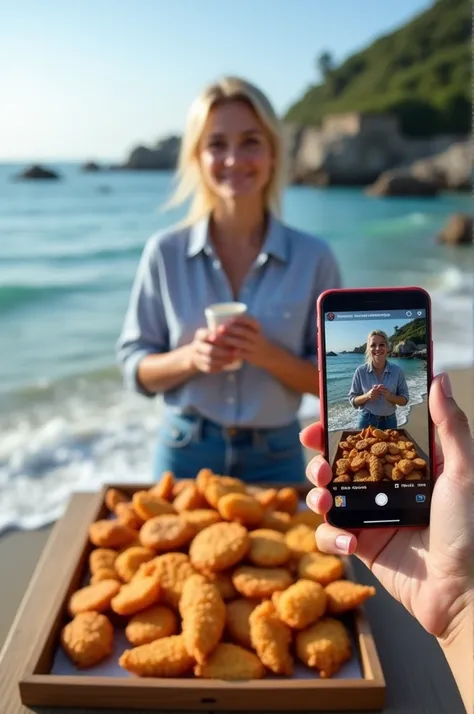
(375, 362)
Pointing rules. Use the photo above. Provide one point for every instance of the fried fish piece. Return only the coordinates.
(136, 595)
(130, 559)
(151, 624)
(301, 604)
(172, 571)
(344, 595)
(271, 638)
(166, 657)
(231, 662)
(96, 597)
(166, 532)
(219, 547)
(237, 619)
(324, 646)
(241, 508)
(320, 567)
(204, 616)
(110, 534)
(260, 582)
(301, 539)
(268, 548)
(88, 639)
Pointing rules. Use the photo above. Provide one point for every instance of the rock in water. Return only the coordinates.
(38, 172)
(458, 230)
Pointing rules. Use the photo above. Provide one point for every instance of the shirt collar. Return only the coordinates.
(386, 368)
(275, 244)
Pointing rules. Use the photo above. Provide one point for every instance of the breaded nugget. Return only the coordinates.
(409, 454)
(260, 582)
(379, 448)
(104, 574)
(387, 470)
(148, 505)
(219, 547)
(301, 539)
(324, 646)
(320, 567)
(110, 534)
(268, 548)
(241, 508)
(136, 595)
(392, 458)
(127, 515)
(218, 486)
(189, 499)
(397, 475)
(88, 639)
(375, 468)
(358, 462)
(166, 532)
(181, 484)
(394, 434)
(166, 657)
(276, 520)
(271, 638)
(419, 463)
(342, 466)
(237, 620)
(344, 444)
(230, 662)
(405, 466)
(409, 445)
(301, 604)
(308, 517)
(343, 478)
(202, 479)
(164, 487)
(201, 518)
(172, 570)
(151, 624)
(363, 475)
(287, 500)
(415, 476)
(344, 595)
(393, 449)
(345, 453)
(95, 597)
(223, 582)
(401, 445)
(204, 615)
(102, 558)
(379, 434)
(266, 497)
(129, 560)
(361, 445)
(114, 496)
(371, 441)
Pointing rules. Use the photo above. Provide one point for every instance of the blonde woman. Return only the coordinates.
(232, 246)
(378, 386)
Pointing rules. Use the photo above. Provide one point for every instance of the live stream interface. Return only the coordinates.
(377, 408)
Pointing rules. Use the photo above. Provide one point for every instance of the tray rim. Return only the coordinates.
(38, 688)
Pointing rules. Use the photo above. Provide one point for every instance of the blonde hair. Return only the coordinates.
(380, 333)
(189, 183)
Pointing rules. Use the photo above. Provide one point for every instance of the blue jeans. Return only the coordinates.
(381, 422)
(187, 444)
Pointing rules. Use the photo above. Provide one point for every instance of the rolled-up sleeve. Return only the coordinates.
(327, 277)
(145, 329)
(356, 388)
(402, 386)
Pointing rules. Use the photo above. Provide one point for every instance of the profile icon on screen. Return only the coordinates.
(331, 316)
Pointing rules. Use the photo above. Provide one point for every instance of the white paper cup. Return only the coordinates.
(219, 314)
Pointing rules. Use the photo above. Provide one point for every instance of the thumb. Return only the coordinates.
(453, 429)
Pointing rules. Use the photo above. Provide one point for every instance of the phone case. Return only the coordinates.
(322, 410)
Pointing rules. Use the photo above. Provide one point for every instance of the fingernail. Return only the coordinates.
(342, 543)
(446, 385)
(314, 498)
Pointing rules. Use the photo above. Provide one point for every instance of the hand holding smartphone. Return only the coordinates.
(375, 357)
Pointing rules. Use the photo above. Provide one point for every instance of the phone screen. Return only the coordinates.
(376, 375)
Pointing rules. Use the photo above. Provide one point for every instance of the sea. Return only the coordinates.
(68, 254)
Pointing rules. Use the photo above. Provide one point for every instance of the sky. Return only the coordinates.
(91, 79)
(347, 334)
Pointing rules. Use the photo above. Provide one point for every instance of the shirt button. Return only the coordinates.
(216, 264)
(230, 400)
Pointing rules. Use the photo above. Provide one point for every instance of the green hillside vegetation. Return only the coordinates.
(414, 330)
(421, 73)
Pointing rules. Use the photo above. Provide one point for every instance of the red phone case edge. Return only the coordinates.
(322, 410)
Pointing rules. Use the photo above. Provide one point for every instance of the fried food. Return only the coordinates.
(379, 448)
(95, 597)
(415, 476)
(260, 582)
(172, 570)
(180, 485)
(164, 487)
(113, 496)
(202, 479)
(166, 657)
(344, 595)
(287, 500)
(231, 662)
(271, 638)
(409, 455)
(375, 468)
(104, 574)
(148, 505)
(218, 486)
(102, 558)
(397, 475)
(110, 534)
(88, 639)
(393, 449)
(129, 560)
(204, 616)
(379, 434)
(419, 463)
(241, 508)
(320, 567)
(266, 497)
(301, 539)
(136, 595)
(268, 548)
(201, 518)
(237, 620)
(276, 520)
(358, 462)
(301, 604)
(127, 515)
(392, 458)
(343, 478)
(223, 582)
(363, 475)
(361, 445)
(342, 466)
(166, 532)
(189, 499)
(219, 547)
(151, 624)
(387, 470)
(324, 646)
(405, 466)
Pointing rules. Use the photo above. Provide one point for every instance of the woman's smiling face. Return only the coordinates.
(378, 347)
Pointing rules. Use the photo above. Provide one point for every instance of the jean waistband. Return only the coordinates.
(208, 426)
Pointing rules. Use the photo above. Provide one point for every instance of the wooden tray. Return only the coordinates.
(38, 687)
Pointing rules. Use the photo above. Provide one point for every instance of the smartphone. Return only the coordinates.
(375, 366)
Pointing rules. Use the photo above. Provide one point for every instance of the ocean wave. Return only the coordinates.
(13, 296)
(62, 255)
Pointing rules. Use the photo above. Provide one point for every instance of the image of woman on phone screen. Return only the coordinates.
(378, 386)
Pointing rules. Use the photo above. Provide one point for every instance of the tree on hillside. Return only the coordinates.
(325, 64)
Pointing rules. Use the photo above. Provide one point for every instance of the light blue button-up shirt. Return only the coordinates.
(393, 379)
(179, 275)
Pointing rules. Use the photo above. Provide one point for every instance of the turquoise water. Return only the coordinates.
(68, 254)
